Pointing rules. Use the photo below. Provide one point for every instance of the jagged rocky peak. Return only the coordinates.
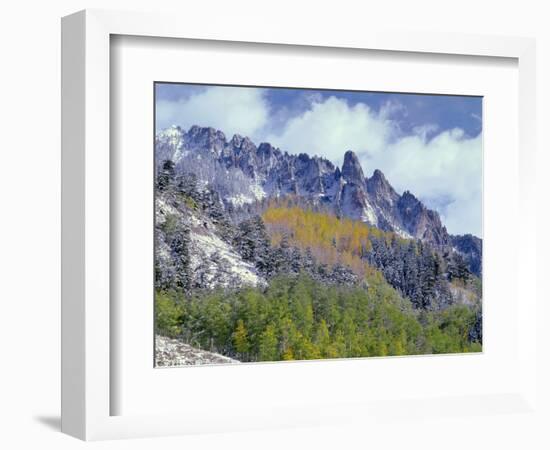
(378, 179)
(169, 144)
(325, 166)
(420, 221)
(174, 131)
(236, 141)
(241, 152)
(379, 187)
(242, 143)
(308, 173)
(408, 202)
(206, 138)
(265, 149)
(205, 132)
(268, 155)
(351, 169)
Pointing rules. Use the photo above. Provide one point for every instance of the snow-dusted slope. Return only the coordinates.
(173, 352)
(216, 263)
(213, 262)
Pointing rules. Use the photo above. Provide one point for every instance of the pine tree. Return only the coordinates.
(252, 243)
(295, 260)
(215, 210)
(240, 339)
(342, 275)
(262, 247)
(166, 175)
(458, 268)
(188, 185)
(476, 330)
(268, 345)
(322, 338)
(179, 246)
(244, 241)
(463, 270)
(280, 260)
(427, 278)
(309, 262)
(288, 354)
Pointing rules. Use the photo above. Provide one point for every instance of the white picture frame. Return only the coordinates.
(87, 355)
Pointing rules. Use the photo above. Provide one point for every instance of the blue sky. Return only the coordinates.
(418, 109)
(428, 144)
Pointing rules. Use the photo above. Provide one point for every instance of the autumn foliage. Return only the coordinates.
(331, 239)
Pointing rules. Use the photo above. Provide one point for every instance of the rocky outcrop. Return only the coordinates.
(421, 222)
(171, 352)
(471, 248)
(351, 169)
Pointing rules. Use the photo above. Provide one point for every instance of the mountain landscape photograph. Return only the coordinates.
(307, 224)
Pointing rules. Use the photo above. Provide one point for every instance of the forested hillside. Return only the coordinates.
(293, 277)
(418, 272)
(305, 284)
(300, 318)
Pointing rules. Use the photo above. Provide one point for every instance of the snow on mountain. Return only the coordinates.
(243, 173)
(169, 144)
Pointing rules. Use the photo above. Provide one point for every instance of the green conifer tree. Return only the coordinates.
(240, 339)
(268, 345)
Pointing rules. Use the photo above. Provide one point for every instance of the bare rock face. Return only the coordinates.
(171, 352)
(471, 247)
(205, 138)
(381, 192)
(421, 222)
(355, 204)
(351, 169)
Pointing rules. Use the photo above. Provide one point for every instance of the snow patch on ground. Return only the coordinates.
(163, 209)
(258, 191)
(217, 264)
(239, 200)
(173, 352)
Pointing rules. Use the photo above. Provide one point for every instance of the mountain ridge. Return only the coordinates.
(244, 173)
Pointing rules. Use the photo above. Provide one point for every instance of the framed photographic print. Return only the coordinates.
(294, 253)
(263, 229)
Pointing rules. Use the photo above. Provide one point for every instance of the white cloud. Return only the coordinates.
(449, 167)
(232, 110)
(444, 170)
(426, 131)
(331, 127)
